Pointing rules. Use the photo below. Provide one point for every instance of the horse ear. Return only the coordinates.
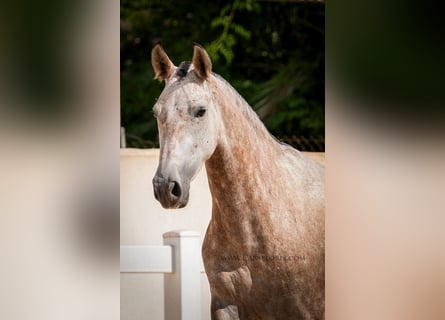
(161, 63)
(201, 61)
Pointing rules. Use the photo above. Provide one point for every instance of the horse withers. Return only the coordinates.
(264, 247)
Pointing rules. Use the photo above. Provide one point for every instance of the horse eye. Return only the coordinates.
(200, 113)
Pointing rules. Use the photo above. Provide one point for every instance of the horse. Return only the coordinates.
(263, 251)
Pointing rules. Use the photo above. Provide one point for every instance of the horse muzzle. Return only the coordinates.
(170, 193)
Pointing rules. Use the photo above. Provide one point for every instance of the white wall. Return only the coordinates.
(143, 221)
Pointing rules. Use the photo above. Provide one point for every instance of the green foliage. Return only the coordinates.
(231, 30)
(138, 96)
(272, 53)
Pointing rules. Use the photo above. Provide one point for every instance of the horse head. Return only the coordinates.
(187, 124)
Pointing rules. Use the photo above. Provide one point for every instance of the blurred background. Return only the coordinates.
(59, 159)
(272, 52)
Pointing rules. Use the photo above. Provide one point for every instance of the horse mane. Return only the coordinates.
(249, 112)
(245, 106)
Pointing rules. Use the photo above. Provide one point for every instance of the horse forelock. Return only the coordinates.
(183, 69)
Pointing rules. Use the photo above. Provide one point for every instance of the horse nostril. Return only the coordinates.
(175, 189)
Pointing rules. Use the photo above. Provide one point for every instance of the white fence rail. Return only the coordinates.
(179, 259)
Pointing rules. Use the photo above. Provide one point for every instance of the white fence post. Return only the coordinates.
(182, 287)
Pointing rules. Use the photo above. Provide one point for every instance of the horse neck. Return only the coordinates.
(244, 157)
